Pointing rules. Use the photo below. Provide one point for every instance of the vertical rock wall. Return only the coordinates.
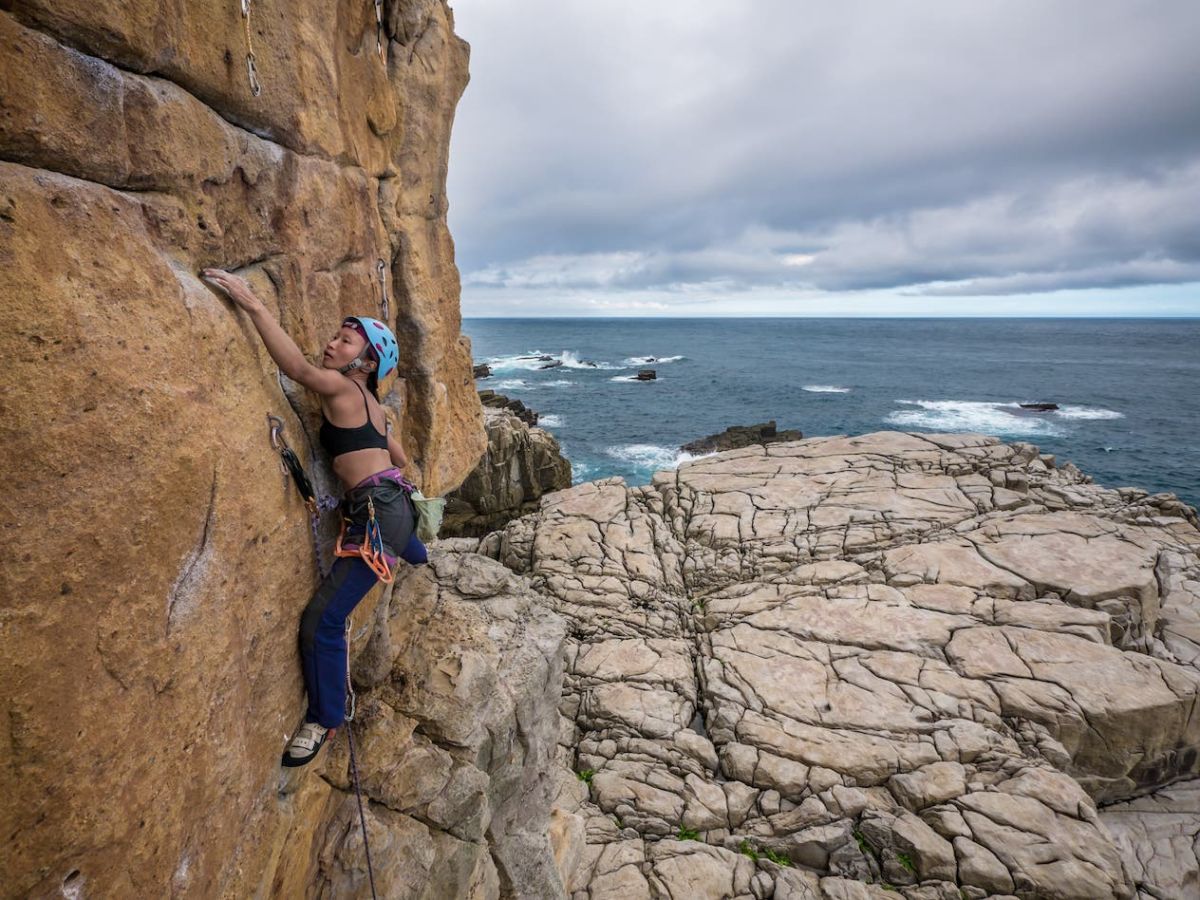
(154, 560)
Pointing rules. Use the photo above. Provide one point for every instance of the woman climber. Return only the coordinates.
(377, 508)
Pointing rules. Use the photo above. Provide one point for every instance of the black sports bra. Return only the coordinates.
(337, 440)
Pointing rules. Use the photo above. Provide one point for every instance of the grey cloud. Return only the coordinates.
(627, 145)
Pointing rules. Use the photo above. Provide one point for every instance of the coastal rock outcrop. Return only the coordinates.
(738, 436)
(155, 557)
(521, 464)
(852, 666)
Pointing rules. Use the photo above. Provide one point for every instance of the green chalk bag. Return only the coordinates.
(429, 515)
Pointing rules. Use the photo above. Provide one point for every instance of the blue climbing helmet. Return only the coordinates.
(380, 341)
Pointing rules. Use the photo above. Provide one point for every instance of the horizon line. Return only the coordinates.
(586, 318)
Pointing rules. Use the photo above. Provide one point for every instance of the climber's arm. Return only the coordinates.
(399, 460)
(281, 347)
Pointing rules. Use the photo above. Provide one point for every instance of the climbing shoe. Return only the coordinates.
(305, 744)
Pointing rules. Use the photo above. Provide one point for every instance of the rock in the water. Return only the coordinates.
(646, 375)
(521, 464)
(482, 370)
(739, 436)
(491, 400)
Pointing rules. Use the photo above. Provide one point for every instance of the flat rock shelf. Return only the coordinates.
(920, 665)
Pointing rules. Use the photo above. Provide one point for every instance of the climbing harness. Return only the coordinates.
(381, 272)
(351, 702)
(251, 69)
(379, 31)
(370, 549)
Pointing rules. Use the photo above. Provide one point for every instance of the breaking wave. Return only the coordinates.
(651, 360)
(650, 456)
(534, 360)
(971, 415)
(1087, 412)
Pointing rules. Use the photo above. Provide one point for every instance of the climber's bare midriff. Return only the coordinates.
(345, 410)
(356, 465)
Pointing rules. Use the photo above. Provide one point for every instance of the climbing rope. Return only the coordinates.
(379, 27)
(251, 69)
(351, 704)
(381, 272)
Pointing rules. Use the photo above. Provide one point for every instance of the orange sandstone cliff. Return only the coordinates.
(155, 559)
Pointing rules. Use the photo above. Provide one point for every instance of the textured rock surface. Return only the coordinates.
(901, 662)
(521, 464)
(1159, 839)
(155, 559)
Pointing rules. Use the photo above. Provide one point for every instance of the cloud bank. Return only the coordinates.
(693, 154)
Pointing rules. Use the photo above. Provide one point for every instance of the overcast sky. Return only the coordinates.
(781, 157)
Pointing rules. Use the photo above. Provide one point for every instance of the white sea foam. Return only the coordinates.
(512, 384)
(550, 420)
(571, 361)
(651, 456)
(825, 389)
(537, 360)
(1087, 412)
(559, 383)
(971, 415)
(651, 360)
(627, 378)
(521, 362)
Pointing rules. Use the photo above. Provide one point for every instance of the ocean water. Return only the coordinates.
(1128, 389)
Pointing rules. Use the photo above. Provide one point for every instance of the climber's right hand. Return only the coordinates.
(235, 287)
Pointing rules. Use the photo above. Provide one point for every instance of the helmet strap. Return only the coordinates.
(357, 363)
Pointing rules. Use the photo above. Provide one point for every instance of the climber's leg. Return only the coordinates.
(415, 553)
(323, 639)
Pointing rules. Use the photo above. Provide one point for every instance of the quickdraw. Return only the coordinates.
(370, 550)
(381, 272)
(292, 462)
(315, 504)
(379, 27)
(251, 69)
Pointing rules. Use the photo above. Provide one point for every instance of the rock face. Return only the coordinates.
(521, 464)
(491, 400)
(739, 436)
(458, 678)
(898, 662)
(155, 558)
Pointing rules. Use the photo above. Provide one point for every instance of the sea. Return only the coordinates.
(1128, 390)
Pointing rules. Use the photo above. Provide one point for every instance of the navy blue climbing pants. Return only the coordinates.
(323, 624)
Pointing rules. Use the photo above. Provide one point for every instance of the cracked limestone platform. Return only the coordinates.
(937, 664)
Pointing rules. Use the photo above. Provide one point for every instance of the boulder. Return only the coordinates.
(521, 464)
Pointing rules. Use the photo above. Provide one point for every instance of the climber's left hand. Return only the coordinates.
(235, 286)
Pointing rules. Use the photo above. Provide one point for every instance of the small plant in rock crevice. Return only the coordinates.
(747, 850)
(778, 858)
(906, 861)
(585, 775)
(687, 834)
